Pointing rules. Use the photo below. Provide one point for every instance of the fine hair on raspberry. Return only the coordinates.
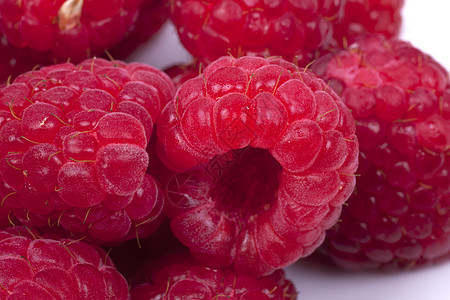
(73, 142)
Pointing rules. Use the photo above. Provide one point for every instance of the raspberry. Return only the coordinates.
(62, 29)
(399, 214)
(178, 276)
(34, 267)
(152, 15)
(210, 29)
(72, 148)
(263, 156)
(368, 16)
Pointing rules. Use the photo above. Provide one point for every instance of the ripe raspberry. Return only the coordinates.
(368, 16)
(399, 214)
(178, 276)
(210, 29)
(72, 147)
(42, 268)
(264, 155)
(75, 29)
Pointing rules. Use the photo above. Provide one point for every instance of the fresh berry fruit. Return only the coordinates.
(62, 29)
(178, 276)
(210, 29)
(264, 155)
(399, 214)
(33, 267)
(72, 147)
(152, 15)
(368, 16)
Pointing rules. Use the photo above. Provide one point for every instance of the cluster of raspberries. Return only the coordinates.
(121, 181)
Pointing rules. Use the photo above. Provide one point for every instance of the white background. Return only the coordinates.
(426, 24)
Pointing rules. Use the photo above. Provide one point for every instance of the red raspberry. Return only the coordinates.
(72, 147)
(265, 155)
(210, 29)
(40, 268)
(368, 16)
(62, 29)
(399, 214)
(152, 15)
(178, 276)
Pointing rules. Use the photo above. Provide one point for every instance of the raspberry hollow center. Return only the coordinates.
(246, 182)
(267, 201)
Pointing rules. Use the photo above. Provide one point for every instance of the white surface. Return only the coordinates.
(425, 25)
(164, 50)
(320, 283)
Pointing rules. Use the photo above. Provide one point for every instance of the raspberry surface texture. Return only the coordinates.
(62, 29)
(178, 276)
(182, 73)
(34, 267)
(292, 29)
(73, 144)
(399, 213)
(262, 155)
(368, 16)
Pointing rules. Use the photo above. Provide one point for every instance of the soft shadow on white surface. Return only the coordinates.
(316, 282)
(163, 51)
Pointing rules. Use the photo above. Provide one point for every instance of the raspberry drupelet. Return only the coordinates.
(263, 156)
(35, 267)
(399, 213)
(292, 29)
(178, 276)
(73, 144)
